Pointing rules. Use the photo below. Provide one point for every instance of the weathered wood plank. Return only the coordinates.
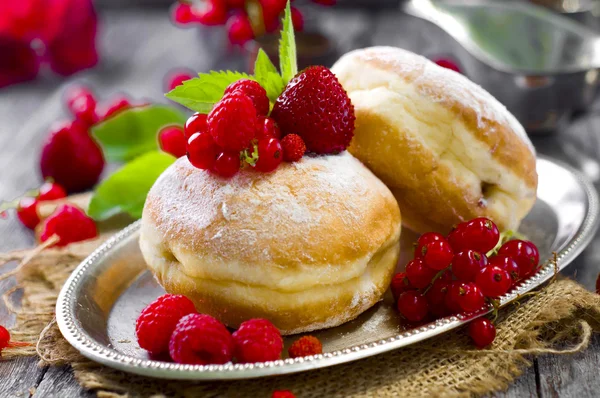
(59, 382)
(19, 376)
(524, 386)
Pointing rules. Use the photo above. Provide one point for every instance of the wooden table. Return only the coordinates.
(138, 47)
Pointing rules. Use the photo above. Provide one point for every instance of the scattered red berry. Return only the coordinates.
(297, 20)
(470, 297)
(157, 321)
(70, 224)
(293, 147)
(270, 155)
(51, 191)
(267, 128)
(27, 212)
(232, 122)
(436, 297)
(202, 150)
(466, 265)
(227, 164)
(315, 106)
(437, 255)
(448, 64)
(508, 264)
(482, 331)
(257, 340)
(82, 104)
(400, 284)
(254, 91)
(493, 281)
(71, 158)
(4, 337)
(172, 140)
(524, 253)
(239, 29)
(195, 124)
(413, 306)
(480, 234)
(419, 274)
(177, 79)
(282, 394)
(200, 339)
(424, 239)
(305, 346)
(182, 13)
(116, 105)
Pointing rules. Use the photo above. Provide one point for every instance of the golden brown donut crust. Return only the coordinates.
(296, 246)
(444, 146)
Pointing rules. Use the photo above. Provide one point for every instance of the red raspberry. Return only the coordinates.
(70, 224)
(71, 158)
(283, 394)
(82, 104)
(293, 147)
(51, 191)
(297, 20)
(211, 13)
(4, 337)
(195, 124)
(270, 155)
(305, 346)
(202, 150)
(27, 212)
(232, 122)
(399, 285)
(255, 91)
(172, 140)
(200, 339)
(227, 164)
(315, 106)
(176, 78)
(116, 105)
(257, 340)
(267, 128)
(239, 29)
(157, 321)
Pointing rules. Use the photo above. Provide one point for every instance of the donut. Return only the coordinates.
(446, 148)
(309, 246)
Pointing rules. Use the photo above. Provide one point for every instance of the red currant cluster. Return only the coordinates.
(454, 274)
(27, 207)
(242, 25)
(238, 132)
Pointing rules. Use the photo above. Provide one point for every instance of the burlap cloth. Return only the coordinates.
(559, 319)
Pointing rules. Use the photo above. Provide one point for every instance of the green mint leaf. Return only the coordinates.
(201, 93)
(125, 190)
(287, 48)
(134, 132)
(266, 74)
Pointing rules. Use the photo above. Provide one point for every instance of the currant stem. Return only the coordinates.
(438, 275)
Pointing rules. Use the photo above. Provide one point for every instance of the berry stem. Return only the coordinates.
(437, 276)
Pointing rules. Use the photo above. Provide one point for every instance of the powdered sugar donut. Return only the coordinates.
(309, 246)
(447, 149)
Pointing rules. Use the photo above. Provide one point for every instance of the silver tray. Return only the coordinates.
(98, 305)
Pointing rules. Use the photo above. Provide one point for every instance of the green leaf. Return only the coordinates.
(133, 132)
(287, 48)
(266, 74)
(201, 93)
(125, 190)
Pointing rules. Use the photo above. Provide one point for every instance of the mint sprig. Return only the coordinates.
(267, 76)
(288, 63)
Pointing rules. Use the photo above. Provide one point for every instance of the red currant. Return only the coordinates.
(202, 150)
(240, 29)
(195, 124)
(419, 274)
(479, 234)
(493, 281)
(524, 253)
(436, 297)
(470, 297)
(455, 290)
(437, 255)
(508, 264)
(51, 191)
(413, 306)
(270, 155)
(399, 285)
(466, 264)
(82, 104)
(482, 331)
(115, 106)
(448, 64)
(172, 140)
(212, 12)
(297, 20)
(424, 239)
(182, 13)
(70, 224)
(27, 212)
(227, 164)
(456, 240)
(267, 128)
(4, 337)
(177, 79)
(235, 3)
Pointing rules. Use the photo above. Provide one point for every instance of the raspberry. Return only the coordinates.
(71, 158)
(315, 106)
(283, 394)
(51, 191)
(27, 212)
(227, 164)
(116, 105)
(70, 224)
(255, 91)
(305, 346)
(202, 150)
(82, 104)
(172, 140)
(232, 122)
(293, 147)
(200, 339)
(157, 321)
(239, 29)
(267, 128)
(257, 340)
(270, 155)
(195, 124)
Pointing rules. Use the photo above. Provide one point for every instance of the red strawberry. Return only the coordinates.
(315, 106)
